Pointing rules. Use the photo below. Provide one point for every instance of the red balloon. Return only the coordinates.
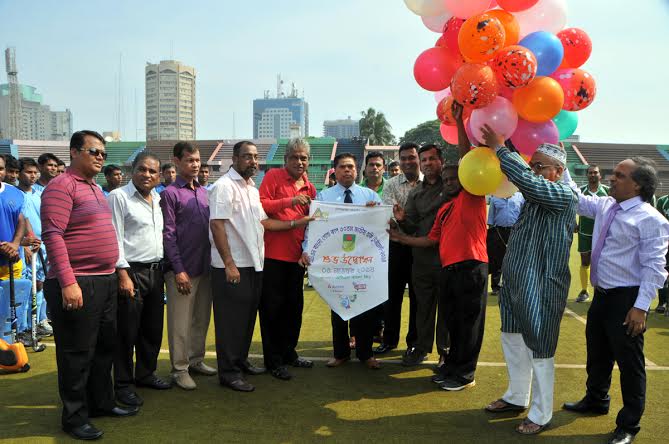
(516, 5)
(444, 113)
(474, 85)
(577, 47)
(515, 66)
(434, 68)
(451, 32)
(449, 133)
(579, 88)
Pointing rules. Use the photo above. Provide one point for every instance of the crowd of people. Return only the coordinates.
(114, 251)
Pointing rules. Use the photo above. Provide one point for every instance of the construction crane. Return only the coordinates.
(15, 114)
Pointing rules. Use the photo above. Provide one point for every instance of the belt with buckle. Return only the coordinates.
(146, 266)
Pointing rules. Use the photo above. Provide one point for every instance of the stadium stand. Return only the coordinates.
(34, 148)
(355, 146)
(8, 147)
(221, 157)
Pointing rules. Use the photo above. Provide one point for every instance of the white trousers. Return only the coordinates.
(525, 374)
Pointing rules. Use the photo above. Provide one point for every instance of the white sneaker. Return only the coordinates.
(44, 328)
(203, 369)
(183, 380)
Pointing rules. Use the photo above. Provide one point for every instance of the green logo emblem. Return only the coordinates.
(348, 243)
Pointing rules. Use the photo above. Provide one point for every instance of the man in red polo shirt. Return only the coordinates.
(285, 194)
(460, 230)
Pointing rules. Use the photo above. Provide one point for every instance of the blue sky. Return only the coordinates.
(346, 55)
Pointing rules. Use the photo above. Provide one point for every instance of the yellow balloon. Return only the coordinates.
(480, 172)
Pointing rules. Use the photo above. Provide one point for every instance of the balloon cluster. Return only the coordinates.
(514, 66)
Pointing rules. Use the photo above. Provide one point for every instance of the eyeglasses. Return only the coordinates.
(95, 152)
(538, 166)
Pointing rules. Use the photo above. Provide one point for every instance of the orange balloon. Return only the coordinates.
(445, 115)
(539, 101)
(510, 23)
(480, 37)
(474, 85)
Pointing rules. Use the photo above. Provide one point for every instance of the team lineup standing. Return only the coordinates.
(243, 249)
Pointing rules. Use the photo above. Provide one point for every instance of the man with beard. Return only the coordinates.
(285, 194)
(585, 227)
(536, 269)
(237, 226)
(396, 192)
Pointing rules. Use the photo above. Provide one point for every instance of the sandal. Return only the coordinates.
(504, 406)
(527, 422)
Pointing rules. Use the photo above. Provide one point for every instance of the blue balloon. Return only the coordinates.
(548, 50)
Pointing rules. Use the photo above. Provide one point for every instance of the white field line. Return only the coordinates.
(649, 363)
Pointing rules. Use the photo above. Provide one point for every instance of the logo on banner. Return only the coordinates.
(321, 215)
(348, 243)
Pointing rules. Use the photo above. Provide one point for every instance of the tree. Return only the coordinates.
(376, 128)
(428, 132)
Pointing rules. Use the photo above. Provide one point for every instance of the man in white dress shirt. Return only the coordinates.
(628, 256)
(138, 222)
(237, 229)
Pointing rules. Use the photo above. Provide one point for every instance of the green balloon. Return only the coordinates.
(566, 122)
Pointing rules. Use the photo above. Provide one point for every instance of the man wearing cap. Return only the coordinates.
(536, 269)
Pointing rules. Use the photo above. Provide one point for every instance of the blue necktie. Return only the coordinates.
(347, 196)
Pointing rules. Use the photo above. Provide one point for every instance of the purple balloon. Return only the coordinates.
(529, 135)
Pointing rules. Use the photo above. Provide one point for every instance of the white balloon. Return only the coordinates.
(505, 189)
(437, 22)
(547, 15)
(426, 8)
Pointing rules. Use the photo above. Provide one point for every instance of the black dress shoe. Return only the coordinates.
(154, 382)
(251, 369)
(302, 363)
(621, 437)
(587, 406)
(117, 412)
(281, 373)
(239, 385)
(128, 397)
(384, 348)
(86, 432)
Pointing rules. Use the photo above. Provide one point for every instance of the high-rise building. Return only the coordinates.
(170, 101)
(281, 116)
(341, 129)
(38, 122)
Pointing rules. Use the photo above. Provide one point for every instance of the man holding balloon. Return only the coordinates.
(536, 265)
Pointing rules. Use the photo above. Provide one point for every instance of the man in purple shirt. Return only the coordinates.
(187, 251)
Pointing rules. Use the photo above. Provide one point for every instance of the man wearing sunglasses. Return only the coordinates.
(536, 269)
(81, 287)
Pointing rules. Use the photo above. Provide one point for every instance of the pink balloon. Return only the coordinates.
(465, 9)
(434, 68)
(505, 91)
(500, 115)
(437, 23)
(441, 95)
(449, 133)
(470, 133)
(516, 5)
(529, 136)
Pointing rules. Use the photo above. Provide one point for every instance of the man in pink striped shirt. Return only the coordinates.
(81, 287)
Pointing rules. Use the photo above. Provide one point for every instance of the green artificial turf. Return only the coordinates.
(347, 404)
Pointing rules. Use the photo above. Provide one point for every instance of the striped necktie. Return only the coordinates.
(599, 246)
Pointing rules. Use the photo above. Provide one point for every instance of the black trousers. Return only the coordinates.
(608, 342)
(362, 327)
(399, 275)
(496, 241)
(464, 298)
(85, 342)
(140, 327)
(235, 311)
(281, 307)
(426, 281)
